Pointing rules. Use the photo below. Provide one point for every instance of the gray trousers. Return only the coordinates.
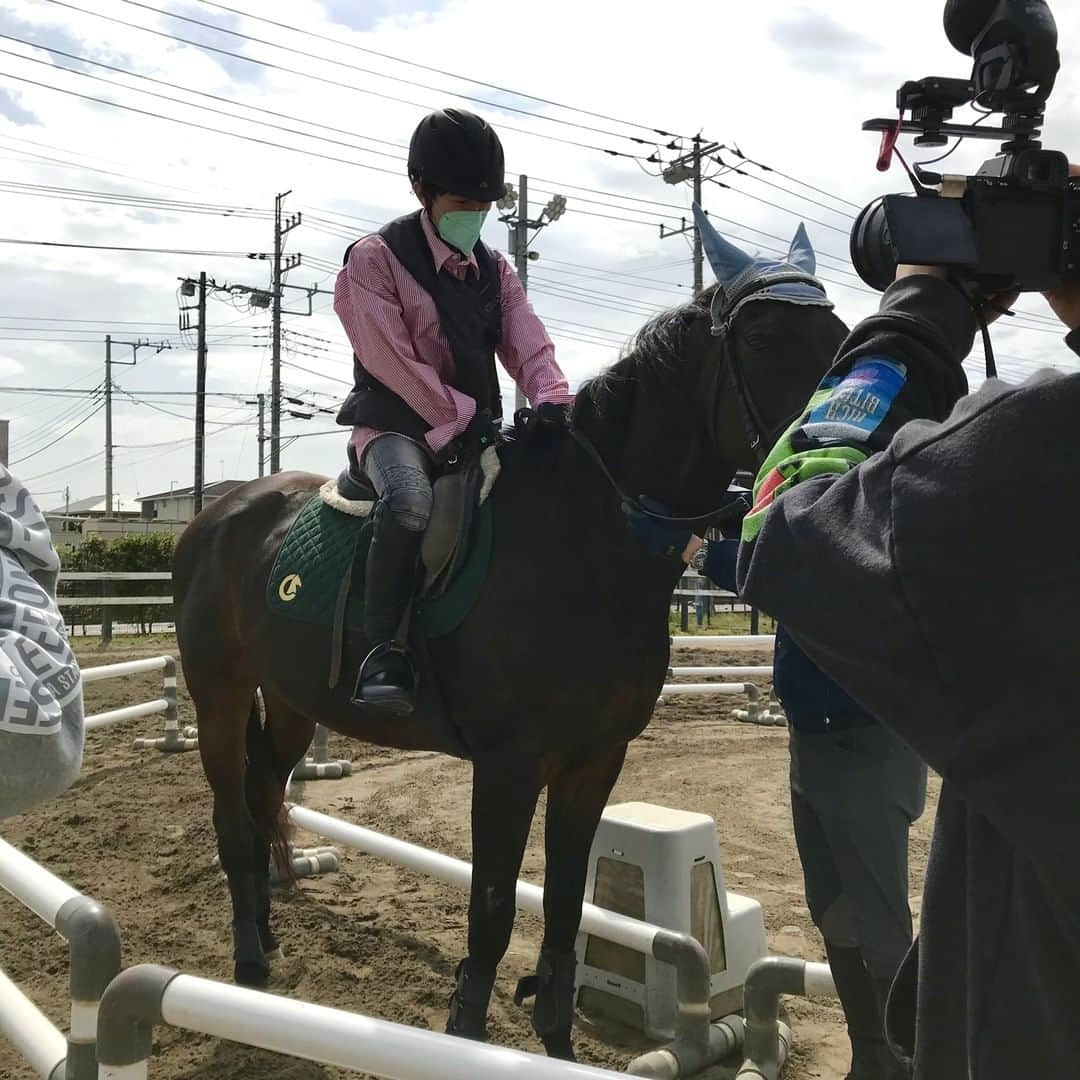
(854, 795)
(400, 472)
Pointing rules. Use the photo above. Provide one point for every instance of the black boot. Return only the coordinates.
(871, 1056)
(387, 680)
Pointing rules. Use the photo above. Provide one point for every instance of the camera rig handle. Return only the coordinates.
(1014, 46)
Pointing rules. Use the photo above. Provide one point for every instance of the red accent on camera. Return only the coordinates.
(888, 145)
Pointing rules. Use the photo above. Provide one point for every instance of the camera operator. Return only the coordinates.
(884, 522)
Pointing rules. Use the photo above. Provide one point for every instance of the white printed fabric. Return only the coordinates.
(41, 706)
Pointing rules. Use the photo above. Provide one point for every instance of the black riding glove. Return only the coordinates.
(555, 414)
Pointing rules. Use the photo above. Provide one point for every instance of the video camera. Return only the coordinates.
(1015, 224)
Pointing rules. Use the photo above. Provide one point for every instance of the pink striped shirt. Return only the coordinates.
(394, 329)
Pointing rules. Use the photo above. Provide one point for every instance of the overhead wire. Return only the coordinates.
(437, 71)
(502, 107)
(317, 78)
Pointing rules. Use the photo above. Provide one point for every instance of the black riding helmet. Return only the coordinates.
(458, 152)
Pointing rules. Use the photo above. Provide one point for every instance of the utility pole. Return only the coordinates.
(262, 434)
(280, 269)
(519, 226)
(109, 361)
(108, 427)
(189, 287)
(688, 167)
(200, 397)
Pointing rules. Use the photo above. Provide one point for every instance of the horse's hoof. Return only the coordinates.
(560, 1047)
(274, 955)
(253, 975)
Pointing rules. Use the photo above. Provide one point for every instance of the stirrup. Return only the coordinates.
(394, 696)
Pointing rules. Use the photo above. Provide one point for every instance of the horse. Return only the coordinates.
(560, 662)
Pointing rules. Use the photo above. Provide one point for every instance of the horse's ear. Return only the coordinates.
(801, 254)
(726, 260)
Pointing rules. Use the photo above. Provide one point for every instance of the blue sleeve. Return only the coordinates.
(720, 562)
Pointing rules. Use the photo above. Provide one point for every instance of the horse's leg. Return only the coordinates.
(503, 803)
(224, 710)
(576, 799)
(275, 743)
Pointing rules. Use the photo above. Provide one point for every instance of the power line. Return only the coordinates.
(142, 202)
(142, 250)
(319, 78)
(89, 416)
(437, 71)
(381, 75)
(63, 468)
(175, 100)
(193, 124)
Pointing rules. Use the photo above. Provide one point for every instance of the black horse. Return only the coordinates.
(557, 667)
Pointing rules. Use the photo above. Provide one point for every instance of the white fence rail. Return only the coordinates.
(94, 944)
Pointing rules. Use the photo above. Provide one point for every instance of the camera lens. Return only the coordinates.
(871, 247)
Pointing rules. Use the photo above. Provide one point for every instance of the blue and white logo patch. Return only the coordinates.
(860, 402)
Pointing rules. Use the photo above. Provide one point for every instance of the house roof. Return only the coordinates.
(219, 487)
(96, 505)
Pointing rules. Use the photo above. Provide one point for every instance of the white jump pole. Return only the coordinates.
(698, 1044)
(757, 671)
(94, 952)
(594, 920)
(728, 689)
(147, 994)
(726, 642)
(31, 1032)
(174, 738)
(129, 712)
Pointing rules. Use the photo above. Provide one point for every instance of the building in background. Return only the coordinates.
(177, 507)
(72, 522)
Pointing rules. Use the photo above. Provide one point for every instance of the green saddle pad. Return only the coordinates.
(315, 557)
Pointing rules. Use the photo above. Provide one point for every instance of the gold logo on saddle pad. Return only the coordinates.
(289, 587)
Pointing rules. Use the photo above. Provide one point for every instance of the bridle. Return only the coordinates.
(726, 304)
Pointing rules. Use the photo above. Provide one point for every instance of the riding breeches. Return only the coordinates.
(400, 472)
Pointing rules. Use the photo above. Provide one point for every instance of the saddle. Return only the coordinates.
(458, 493)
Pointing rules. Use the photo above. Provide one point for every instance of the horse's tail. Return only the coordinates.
(267, 809)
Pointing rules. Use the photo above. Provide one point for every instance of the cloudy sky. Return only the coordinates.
(171, 124)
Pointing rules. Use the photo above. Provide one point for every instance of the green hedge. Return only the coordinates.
(134, 552)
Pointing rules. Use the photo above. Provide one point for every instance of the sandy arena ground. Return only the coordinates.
(135, 832)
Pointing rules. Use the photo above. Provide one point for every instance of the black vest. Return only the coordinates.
(470, 314)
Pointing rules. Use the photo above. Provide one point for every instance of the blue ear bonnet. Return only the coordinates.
(743, 278)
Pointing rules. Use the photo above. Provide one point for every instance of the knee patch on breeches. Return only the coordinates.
(409, 499)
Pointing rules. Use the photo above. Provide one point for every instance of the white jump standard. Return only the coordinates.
(174, 740)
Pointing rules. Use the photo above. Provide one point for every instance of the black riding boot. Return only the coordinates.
(871, 1056)
(387, 678)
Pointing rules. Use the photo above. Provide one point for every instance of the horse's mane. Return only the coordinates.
(659, 345)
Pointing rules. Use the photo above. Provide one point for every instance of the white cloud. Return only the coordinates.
(791, 86)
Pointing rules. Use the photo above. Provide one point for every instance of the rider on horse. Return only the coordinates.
(427, 307)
